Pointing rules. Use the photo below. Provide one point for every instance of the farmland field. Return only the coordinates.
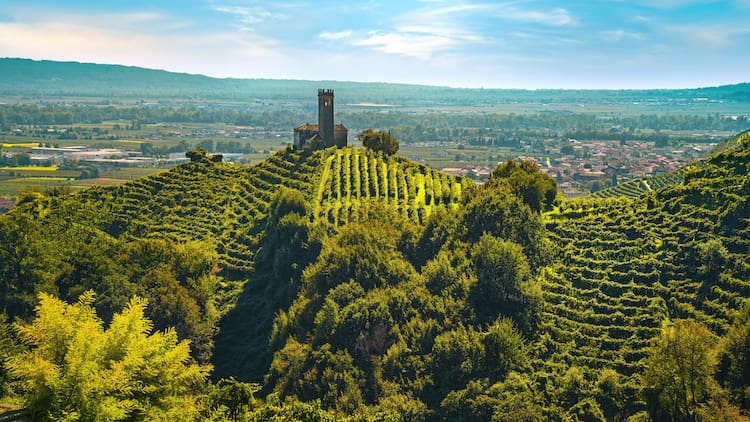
(9, 188)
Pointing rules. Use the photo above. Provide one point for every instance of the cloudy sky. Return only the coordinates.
(474, 43)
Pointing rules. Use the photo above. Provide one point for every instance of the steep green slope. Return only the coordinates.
(223, 206)
(626, 264)
(634, 188)
(228, 203)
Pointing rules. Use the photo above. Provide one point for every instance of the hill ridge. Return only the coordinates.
(20, 76)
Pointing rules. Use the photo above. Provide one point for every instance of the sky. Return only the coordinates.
(531, 44)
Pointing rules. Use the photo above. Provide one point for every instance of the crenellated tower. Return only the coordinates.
(325, 116)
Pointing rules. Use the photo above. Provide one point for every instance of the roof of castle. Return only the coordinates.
(306, 126)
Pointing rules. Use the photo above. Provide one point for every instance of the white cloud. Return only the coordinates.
(250, 17)
(424, 32)
(335, 36)
(716, 36)
(552, 17)
(421, 46)
(147, 40)
(621, 35)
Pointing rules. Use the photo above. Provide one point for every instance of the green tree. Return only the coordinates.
(9, 346)
(198, 155)
(734, 357)
(233, 397)
(526, 181)
(507, 217)
(504, 284)
(378, 141)
(680, 369)
(78, 370)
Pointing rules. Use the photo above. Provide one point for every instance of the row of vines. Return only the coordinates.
(624, 265)
(352, 177)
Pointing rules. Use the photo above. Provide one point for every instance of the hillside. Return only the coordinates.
(384, 289)
(635, 188)
(225, 208)
(624, 265)
(49, 79)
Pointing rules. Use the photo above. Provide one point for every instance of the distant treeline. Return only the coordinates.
(410, 127)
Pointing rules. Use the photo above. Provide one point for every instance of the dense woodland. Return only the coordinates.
(332, 284)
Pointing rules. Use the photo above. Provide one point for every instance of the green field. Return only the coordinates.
(9, 188)
(30, 168)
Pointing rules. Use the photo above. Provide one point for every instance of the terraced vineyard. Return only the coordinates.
(350, 177)
(635, 188)
(227, 204)
(625, 265)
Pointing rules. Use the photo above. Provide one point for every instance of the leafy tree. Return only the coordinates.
(291, 410)
(456, 358)
(9, 346)
(680, 369)
(362, 253)
(22, 261)
(711, 259)
(734, 357)
(78, 370)
(378, 141)
(179, 282)
(504, 284)
(198, 155)
(233, 397)
(508, 218)
(586, 410)
(513, 399)
(610, 393)
(504, 349)
(526, 181)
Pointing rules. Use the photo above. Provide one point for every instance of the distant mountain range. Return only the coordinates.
(50, 79)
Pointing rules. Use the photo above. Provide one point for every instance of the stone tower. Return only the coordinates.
(325, 116)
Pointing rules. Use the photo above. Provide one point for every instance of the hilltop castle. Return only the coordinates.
(325, 134)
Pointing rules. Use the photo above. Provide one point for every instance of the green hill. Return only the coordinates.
(384, 289)
(635, 188)
(222, 206)
(626, 264)
(47, 79)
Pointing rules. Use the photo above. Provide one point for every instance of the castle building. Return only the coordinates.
(325, 134)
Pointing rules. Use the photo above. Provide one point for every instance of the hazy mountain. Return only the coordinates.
(49, 79)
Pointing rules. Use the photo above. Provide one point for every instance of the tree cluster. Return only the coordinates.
(378, 141)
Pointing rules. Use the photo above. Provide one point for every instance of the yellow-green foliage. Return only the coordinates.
(79, 370)
(396, 183)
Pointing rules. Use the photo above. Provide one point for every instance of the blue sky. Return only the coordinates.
(475, 43)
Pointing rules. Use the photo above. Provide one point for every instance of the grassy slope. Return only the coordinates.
(625, 264)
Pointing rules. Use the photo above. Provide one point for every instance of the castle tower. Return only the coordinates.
(325, 116)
